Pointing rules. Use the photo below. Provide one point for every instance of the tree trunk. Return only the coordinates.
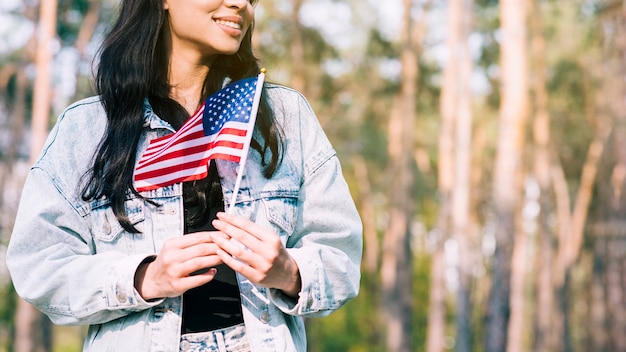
(598, 303)
(616, 249)
(508, 173)
(563, 213)
(42, 95)
(435, 341)
(17, 112)
(517, 70)
(515, 334)
(461, 225)
(368, 214)
(18, 108)
(298, 78)
(88, 26)
(572, 223)
(32, 328)
(85, 35)
(396, 266)
(436, 330)
(609, 230)
(17, 122)
(544, 337)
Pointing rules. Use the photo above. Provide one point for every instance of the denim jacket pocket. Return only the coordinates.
(108, 234)
(281, 212)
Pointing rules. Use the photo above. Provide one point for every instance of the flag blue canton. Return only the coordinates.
(232, 103)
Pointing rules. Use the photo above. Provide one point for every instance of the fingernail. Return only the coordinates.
(225, 215)
(213, 271)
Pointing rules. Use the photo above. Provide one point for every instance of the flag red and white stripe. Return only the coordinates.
(220, 129)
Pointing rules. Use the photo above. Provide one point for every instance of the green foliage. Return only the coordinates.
(486, 26)
(421, 293)
(573, 83)
(371, 138)
(379, 47)
(569, 119)
(352, 328)
(70, 16)
(68, 338)
(10, 93)
(357, 327)
(8, 304)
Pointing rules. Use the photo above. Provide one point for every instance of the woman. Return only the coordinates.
(159, 270)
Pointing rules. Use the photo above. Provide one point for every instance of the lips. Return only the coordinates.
(234, 22)
(230, 24)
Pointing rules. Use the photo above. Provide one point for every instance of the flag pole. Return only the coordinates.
(244, 154)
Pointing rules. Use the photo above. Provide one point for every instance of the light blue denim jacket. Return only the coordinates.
(73, 261)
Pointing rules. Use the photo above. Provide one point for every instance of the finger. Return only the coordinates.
(190, 239)
(236, 264)
(199, 279)
(234, 248)
(236, 235)
(242, 234)
(254, 266)
(243, 223)
(198, 250)
(199, 265)
(173, 257)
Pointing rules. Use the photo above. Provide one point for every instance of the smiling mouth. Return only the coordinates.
(230, 24)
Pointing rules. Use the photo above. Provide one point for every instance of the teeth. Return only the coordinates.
(229, 24)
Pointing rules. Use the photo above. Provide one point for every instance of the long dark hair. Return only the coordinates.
(134, 60)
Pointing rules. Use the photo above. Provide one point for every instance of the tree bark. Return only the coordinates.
(85, 35)
(609, 230)
(508, 173)
(396, 266)
(598, 304)
(435, 341)
(436, 331)
(368, 214)
(17, 109)
(461, 225)
(31, 326)
(42, 95)
(572, 223)
(88, 26)
(298, 79)
(544, 337)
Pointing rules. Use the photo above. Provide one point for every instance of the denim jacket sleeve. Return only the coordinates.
(327, 240)
(51, 254)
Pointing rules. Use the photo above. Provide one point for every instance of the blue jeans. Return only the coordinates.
(230, 339)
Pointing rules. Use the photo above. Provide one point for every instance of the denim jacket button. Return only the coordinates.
(121, 296)
(265, 317)
(106, 227)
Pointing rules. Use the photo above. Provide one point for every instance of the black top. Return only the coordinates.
(216, 304)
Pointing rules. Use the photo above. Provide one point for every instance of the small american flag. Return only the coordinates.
(220, 129)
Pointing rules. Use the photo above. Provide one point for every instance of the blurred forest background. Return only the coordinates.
(484, 142)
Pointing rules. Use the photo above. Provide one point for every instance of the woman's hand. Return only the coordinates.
(264, 260)
(183, 263)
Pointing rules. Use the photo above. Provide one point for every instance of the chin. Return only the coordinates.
(224, 50)
(228, 48)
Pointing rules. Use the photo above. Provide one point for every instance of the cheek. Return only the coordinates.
(250, 18)
(250, 14)
(186, 22)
